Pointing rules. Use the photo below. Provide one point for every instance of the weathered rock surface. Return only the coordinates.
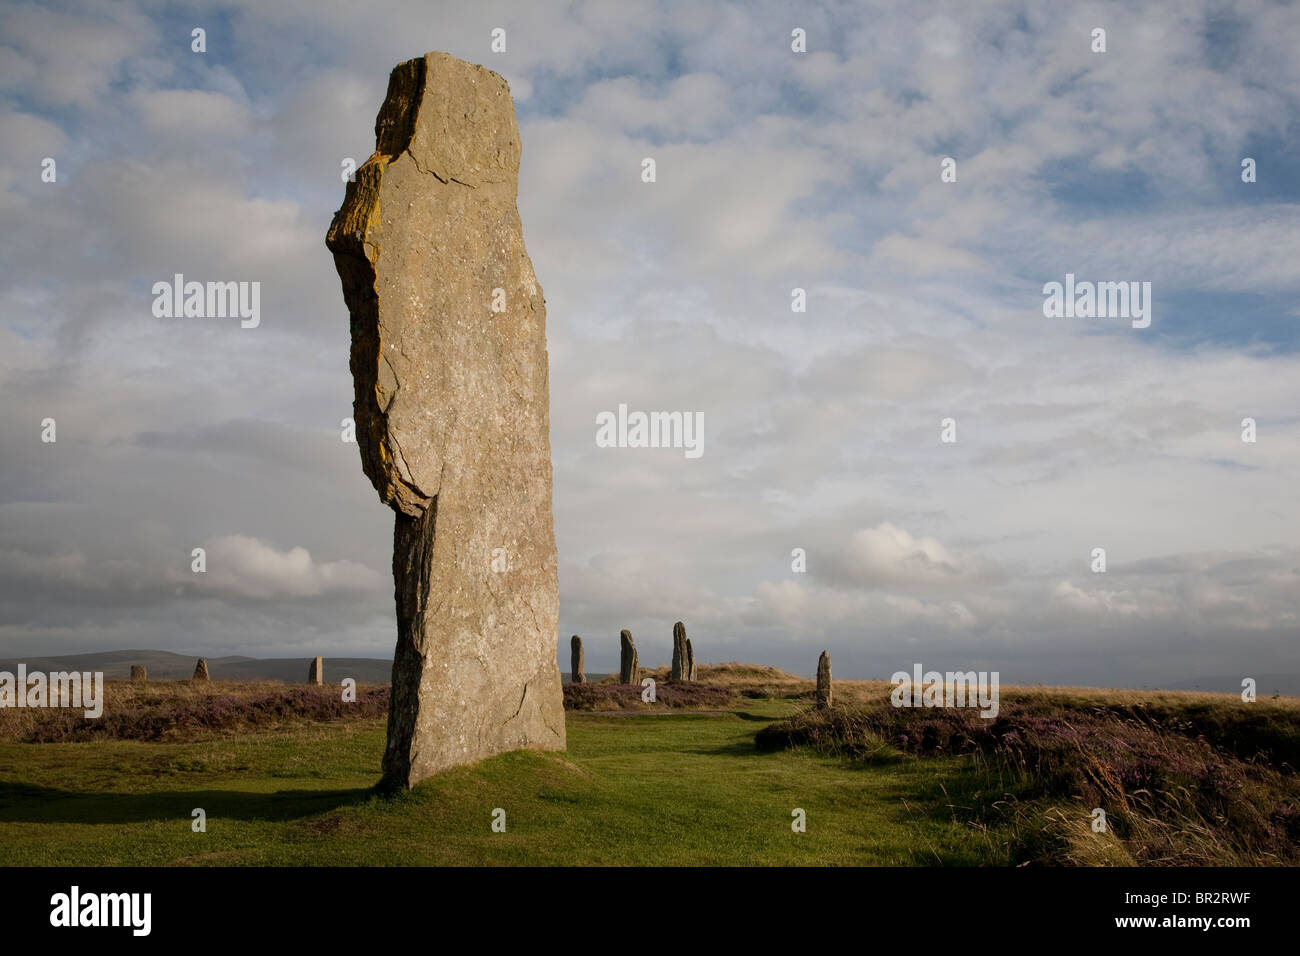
(680, 669)
(452, 418)
(690, 661)
(201, 670)
(629, 667)
(577, 661)
(316, 672)
(824, 679)
(139, 672)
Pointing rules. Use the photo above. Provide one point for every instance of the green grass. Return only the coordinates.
(681, 788)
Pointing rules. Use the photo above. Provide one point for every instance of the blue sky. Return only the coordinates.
(775, 169)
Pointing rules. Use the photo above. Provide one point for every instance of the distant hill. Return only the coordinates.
(1266, 685)
(164, 665)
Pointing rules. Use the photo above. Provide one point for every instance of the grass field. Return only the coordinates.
(673, 789)
(636, 786)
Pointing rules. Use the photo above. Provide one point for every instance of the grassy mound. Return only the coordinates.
(1183, 781)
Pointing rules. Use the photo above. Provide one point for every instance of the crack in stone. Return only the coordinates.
(404, 471)
(520, 707)
(434, 173)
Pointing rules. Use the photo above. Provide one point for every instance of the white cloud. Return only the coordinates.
(890, 555)
(194, 116)
(822, 429)
(251, 568)
(70, 58)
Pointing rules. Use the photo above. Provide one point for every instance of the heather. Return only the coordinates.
(173, 710)
(610, 696)
(1182, 782)
(176, 710)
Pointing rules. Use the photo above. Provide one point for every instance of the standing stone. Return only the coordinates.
(690, 661)
(629, 668)
(201, 670)
(138, 672)
(824, 679)
(316, 673)
(452, 418)
(577, 661)
(681, 668)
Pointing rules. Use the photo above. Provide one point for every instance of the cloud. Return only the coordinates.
(194, 115)
(889, 555)
(66, 58)
(251, 568)
(775, 171)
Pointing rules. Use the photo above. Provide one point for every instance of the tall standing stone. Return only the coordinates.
(824, 679)
(577, 661)
(138, 672)
(201, 670)
(681, 669)
(452, 418)
(690, 661)
(316, 673)
(629, 667)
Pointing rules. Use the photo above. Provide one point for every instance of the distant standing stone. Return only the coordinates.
(681, 669)
(316, 673)
(201, 670)
(824, 679)
(578, 661)
(629, 668)
(138, 672)
(690, 661)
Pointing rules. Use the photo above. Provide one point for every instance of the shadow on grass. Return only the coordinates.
(741, 748)
(23, 803)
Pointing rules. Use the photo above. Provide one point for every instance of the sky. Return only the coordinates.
(819, 170)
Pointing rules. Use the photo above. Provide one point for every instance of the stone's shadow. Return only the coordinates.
(743, 748)
(25, 803)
